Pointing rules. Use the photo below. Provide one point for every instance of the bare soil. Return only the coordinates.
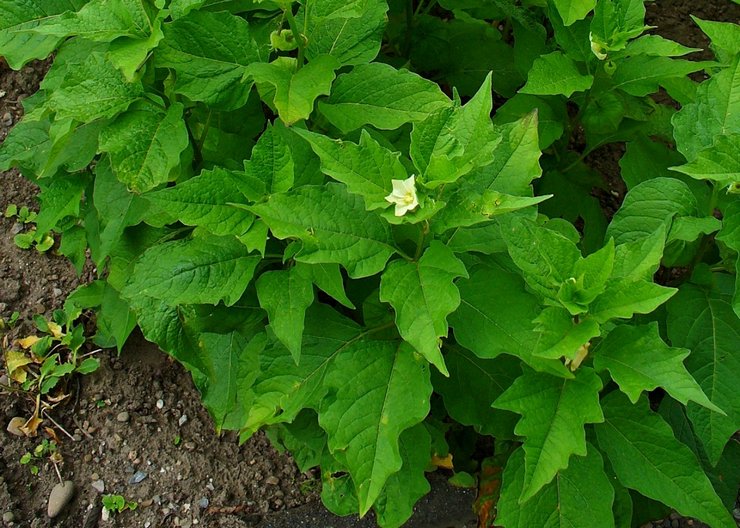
(140, 414)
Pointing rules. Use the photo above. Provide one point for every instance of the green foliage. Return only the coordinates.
(374, 229)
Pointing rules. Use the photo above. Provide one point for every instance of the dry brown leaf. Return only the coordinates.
(443, 462)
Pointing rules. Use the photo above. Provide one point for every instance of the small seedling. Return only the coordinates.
(118, 504)
(23, 215)
(46, 448)
(10, 323)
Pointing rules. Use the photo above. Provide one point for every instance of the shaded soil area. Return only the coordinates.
(136, 426)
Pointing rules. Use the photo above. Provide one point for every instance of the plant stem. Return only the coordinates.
(297, 36)
(420, 243)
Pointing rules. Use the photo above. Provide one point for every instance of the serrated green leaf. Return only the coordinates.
(379, 95)
(328, 278)
(18, 44)
(703, 320)
(639, 259)
(690, 228)
(101, 20)
(285, 295)
(649, 205)
(623, 298)
(556, 74)
(231, 365)
(642, 74)
(380, 389)
(116, 207)
(495, 317)
(549, 116)
(646, 457)
(206, 201)
(145, 144)
(559, 336)
(546, 258)
(60, 197)
(366, 169)
(271, 163)
(200, 270)
(454, 141)
(715, 112)
(333, 227)
(423, 294)
(581, 495)
(283, 388)
(554, 412)
(638, 360)
(718, 163)
(396, 502)
(615, 22)
(573, 10)
(93, 90)
(724, 37)
(352, 36)
(484, 381)
(296, 90)
(209, 67)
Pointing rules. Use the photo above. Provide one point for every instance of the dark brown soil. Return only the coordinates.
(193, 477)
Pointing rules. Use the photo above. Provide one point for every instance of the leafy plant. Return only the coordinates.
(45, 449)
(372, 228)
(117, 504)
(32, 238)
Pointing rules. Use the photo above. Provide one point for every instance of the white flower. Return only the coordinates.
(597, 48)
(403, 195)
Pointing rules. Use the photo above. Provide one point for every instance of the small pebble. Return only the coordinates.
(203, 503)
(8, 517)
(137, 477)
(17, 228)
(59, 497)
(98, 485)
(272, 480)
(122, 417)
(56, 292)
(160, 404)
(3, 378)
(14, 426)
(182, 420)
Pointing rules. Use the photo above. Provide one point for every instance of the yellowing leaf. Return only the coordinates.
(55, 329)
(15, 361)
(443, 462)
(28, 342)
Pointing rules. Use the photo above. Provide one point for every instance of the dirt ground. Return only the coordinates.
(140, 416)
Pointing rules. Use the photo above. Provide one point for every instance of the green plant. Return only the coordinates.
(41, 364)
(32, 238)
(117, 504)
(315, 208)
(45, 449)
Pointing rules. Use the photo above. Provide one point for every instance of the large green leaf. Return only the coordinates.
(145, 144)
(295, 90)
(396, 502)
(382, 96)
(60, 197)
(729, 236)
(556, 74)
(573, 10)
(283, 387)
(92, 90)
(554, 412)
(333, 227)
(423, 294)
(638, 360)
(718, 163)
(271, 163)
(703, 320)
(351, 35)
(379, 389)
(207, 201)
(454, 141)
(472, 385)
(209, 53)
(101, 20)
(198, 270)
(495, 317)
(18, 44)
(623, 298)
(580, 496)
(285, 295)
(647, 457)
(649, 205)
(366, 169)
(715, 112)
(642, 75)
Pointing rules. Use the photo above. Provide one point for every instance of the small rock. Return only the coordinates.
(160, 404)
(59, 497)
(189, 446)
(98, 485)
(14, 426)
(4, 381)
(122, 417)
(203, 503)
(8, 517)
(87, 458)
(17, 228)
(182, 420)
(736, 514)
(56, 292)
(137, 477)
(272, 480)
